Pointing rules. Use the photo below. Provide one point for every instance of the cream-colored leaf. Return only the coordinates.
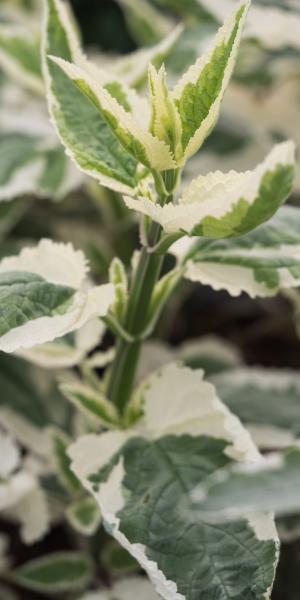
(217, 196)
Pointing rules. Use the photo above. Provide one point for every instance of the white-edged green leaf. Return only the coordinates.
(199, 93)
(67, 351)
(221, 205)
(261, 263)
(20, 56)
(118, 277)
(273, 484)
(266, 400)
(84, 515)
(61, 460)
(32, 165)
(136, 139)
(91, 402)
(43, 295)
(142, 479)
(118, 561)
(85, 133)
(54, 573)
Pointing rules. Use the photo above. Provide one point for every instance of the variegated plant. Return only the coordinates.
(150, 448)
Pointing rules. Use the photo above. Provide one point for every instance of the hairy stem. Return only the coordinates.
(124, 367)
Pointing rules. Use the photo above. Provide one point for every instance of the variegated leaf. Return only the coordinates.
(266, 400)
(142, 479)
(136, 139)
(261, 263)
(165, 119)
(84, 131)
(222, 205)
(56, 573)
(43, 295)
(273, 484)
(20, 56)
(91, 402)
(33, 165)
(84, 515)
(199, 93)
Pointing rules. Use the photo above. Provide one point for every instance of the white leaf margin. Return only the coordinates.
(212, 195)
(60, 264)
(158, 153)
(60, 354)
(194, 72)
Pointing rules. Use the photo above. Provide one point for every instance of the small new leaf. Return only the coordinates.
(165, 121)
(91, 402)
(84, 515)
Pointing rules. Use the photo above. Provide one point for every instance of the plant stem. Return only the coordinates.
(124, 367)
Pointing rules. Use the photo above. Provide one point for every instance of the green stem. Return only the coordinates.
(124, 367)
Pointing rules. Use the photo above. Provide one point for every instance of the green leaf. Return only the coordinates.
(223, 205)
(274, 485)
(83, 130)
(55, 573)
(266, 400)
(91, 402)
(261, 263)
(84, 515)
(199, 93)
